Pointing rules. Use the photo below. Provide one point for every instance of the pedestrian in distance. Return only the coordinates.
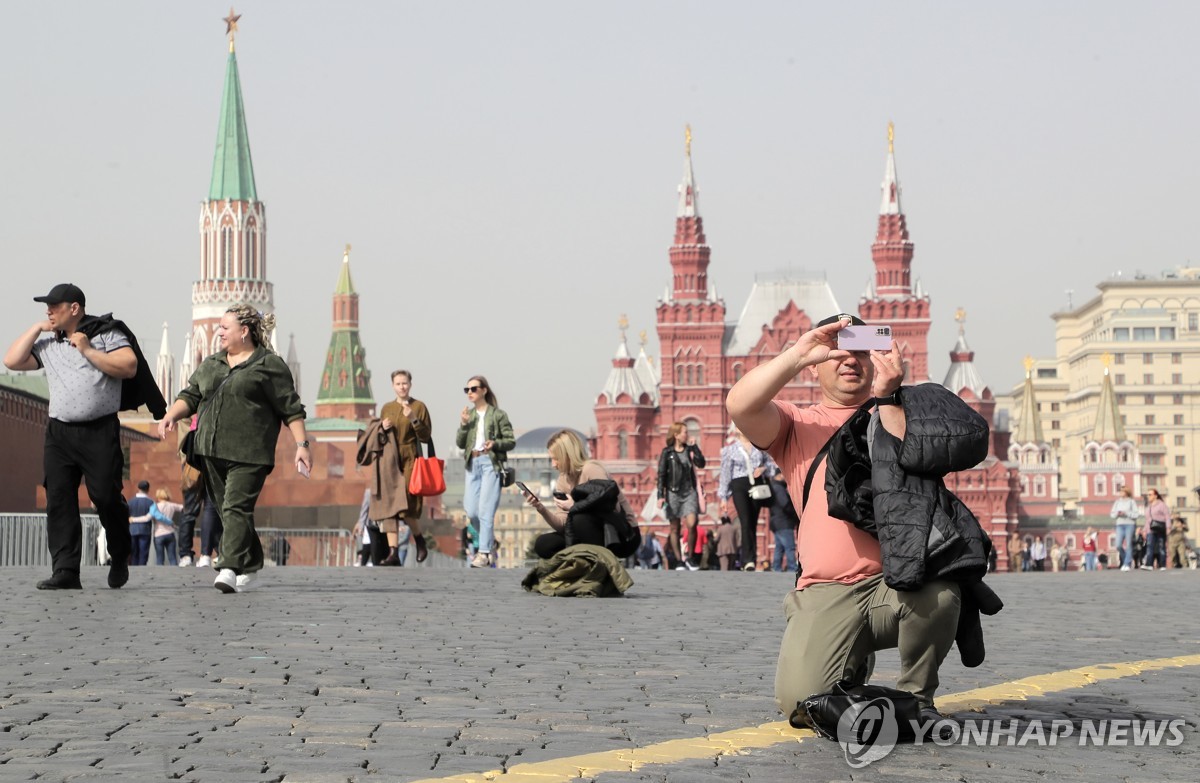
(784, 521)
(1126, 512)
(243, 393)
(486, 436)
(729, 542)
(166, 514)
(1090, 544)
(1037, 553)
(743, 465)
(1177, 544)
(391, 445)
(1158, 516)
(842, 609)
(140, 523)
(94, 369)
(677, 494)
(650, 554)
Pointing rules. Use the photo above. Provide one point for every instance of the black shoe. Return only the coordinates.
(422, 550)
(118, 574)
(931, 717)
(62, 580)
(393, 558)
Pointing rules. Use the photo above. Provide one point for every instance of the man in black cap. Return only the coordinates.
(94, 369)
(863, 467)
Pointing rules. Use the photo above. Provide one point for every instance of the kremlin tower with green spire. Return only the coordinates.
(345, 391)
(233, 226)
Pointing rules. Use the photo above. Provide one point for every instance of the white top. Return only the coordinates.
(480, 430)
(79, 391)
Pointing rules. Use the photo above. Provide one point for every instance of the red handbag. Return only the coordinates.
(428, 475)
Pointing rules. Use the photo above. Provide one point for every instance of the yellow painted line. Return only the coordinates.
(778, 732)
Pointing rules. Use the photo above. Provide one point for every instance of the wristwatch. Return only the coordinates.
(891, 399)
(302, 444)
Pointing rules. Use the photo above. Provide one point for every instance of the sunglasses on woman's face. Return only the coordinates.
(471, 389)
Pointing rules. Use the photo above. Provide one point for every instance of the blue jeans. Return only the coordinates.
(1089, 561)
(1156, 550)
(1125, 542)
(482, 498)
(139, 533)
(164, 549)
(785, 544)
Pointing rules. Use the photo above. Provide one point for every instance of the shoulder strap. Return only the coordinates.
(812, 471)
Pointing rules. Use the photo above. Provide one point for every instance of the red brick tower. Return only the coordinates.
(625, 411)
(892, 298)
(233, 226)
(691, 326)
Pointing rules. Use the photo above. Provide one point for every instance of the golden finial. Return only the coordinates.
(642, 337)
(960, 315)
(1106, 359)
(622, 324)
(891, 136)
(347, 251)
(231, 25)
(1028, 365)
(687, 136)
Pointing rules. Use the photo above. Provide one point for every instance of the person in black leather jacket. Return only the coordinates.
(842, 610)
(677, 495)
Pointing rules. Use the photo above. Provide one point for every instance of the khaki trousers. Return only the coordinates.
(833, 629)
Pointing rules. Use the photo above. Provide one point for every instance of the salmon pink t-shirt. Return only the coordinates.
(829, 549)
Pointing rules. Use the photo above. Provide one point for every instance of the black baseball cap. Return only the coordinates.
(63, 292)
(854, 320)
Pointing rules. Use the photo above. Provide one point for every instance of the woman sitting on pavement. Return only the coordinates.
(568, 457)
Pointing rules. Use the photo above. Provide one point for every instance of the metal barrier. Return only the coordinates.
(23, 540)
(23, 543)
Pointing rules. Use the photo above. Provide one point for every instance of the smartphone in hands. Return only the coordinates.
(872, 337)
(303, 469)
(524, 489)
(559, 495)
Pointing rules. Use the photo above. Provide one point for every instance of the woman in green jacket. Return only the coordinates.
(486, 436)
(243, 393)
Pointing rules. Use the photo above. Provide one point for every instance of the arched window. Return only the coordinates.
(225, 263)
(738, 372)
(1100, 485)
(700, 375)
(1039, 486)
(622, 445)
(679, 375)
(688, 374)
(693, 429)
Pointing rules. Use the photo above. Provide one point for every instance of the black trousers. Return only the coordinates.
(90, 451)
(747, 511)
(584, 530)
(193, 505)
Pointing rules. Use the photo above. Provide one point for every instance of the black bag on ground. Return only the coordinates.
(822, 711)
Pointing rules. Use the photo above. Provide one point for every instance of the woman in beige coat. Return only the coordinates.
(391, 444)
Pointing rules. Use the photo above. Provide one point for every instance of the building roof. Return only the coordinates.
(233, 171)
(31, 383)
(624, 378)
(770, 294)
(890, 204)
(1029, 422)
(963, 374)
(534, 441)
(344, 284)
(1109, 426)
(332, 425)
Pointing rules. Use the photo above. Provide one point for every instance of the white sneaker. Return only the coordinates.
(226, 581)
(481, 560)
(185, 561)
(1124, 568)
(204, 562)
(245, 582)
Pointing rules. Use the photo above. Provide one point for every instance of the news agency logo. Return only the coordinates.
(868, 731)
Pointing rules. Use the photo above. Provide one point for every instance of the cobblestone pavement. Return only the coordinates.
(357, 674)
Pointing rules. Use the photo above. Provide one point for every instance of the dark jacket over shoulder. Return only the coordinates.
(141, 389)
(894, 490)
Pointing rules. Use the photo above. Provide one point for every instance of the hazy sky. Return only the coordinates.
(507, 172)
